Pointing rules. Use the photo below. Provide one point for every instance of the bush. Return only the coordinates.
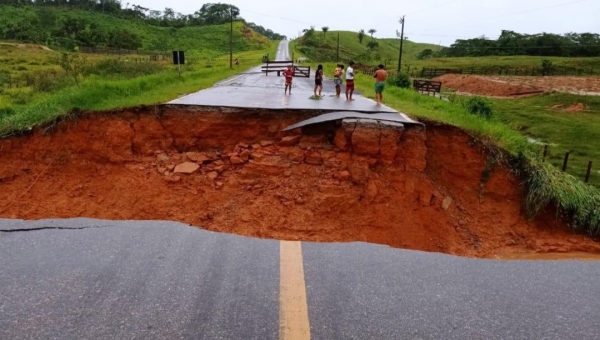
(47, 80)
(480, 106)
(7, 111)
(547, 67)
(401, 80)
(111, 67)
(20, 96)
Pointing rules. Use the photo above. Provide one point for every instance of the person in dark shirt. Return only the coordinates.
(319, 80)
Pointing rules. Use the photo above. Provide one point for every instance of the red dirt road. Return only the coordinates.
(507, 86)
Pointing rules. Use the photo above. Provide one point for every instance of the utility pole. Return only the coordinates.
(231, 37)
(401, 42)
(338, 48)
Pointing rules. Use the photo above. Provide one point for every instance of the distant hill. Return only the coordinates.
(323, 47)
(67, 28)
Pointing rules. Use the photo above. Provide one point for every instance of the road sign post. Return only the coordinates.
(178, 59)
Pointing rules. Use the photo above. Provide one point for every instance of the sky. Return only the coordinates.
(431, 21)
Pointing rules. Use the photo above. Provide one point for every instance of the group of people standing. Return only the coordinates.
(338, 75)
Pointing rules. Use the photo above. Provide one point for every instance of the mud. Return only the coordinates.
(516, 87)
(486, 86)
(233, 171)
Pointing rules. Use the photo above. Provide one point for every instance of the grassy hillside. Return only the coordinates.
(60, 27)
(323, 47)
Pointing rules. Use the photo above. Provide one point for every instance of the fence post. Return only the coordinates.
(545, 152)
(589, 170)
(564, 167)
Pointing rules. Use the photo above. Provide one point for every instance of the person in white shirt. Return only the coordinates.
(350, 81)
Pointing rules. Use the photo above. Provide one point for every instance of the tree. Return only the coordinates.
(325, 30)
(217, 14)
(371, 32)
(361, 36)
(372, 45)
(73, 64)
(425, 54)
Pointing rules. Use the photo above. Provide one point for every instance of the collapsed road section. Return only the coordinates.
(236, 171)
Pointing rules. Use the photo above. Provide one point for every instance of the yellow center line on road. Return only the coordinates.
(293, 306)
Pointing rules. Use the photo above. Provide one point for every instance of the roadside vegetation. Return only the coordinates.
(108, 83)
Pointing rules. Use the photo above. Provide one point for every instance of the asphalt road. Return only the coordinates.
(92, 279)
(254, 89)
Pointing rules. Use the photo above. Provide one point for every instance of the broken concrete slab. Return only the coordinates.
(332, 116)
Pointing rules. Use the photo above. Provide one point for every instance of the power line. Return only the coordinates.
(505, 15)
(433, 7)
(277, 17)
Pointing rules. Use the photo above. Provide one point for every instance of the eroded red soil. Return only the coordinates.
(416, 189)
(514, 87)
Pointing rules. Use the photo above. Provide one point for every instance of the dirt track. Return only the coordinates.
(507, 86)
(417, 189)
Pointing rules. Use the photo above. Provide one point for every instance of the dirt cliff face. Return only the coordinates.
(234, 171)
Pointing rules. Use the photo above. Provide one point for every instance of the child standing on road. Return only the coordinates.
(380, 77)
(350, 81)
(337, 79)
(319, 80)
(288, 74)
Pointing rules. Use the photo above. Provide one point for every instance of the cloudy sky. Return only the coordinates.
(433, 21)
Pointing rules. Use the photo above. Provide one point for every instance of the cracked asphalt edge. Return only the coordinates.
(14, 225)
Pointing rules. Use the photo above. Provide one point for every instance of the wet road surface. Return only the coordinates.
(254, 89)
(94, 279)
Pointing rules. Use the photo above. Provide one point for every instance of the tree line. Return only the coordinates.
(68, 31)
(512, 43)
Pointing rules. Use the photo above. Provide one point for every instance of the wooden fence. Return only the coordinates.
(590, 164)
(118, 51)
(508, 71)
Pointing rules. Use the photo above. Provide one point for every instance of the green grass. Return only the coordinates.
(540, 118)
(511, 62)
(106, 94)
(545, 183)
